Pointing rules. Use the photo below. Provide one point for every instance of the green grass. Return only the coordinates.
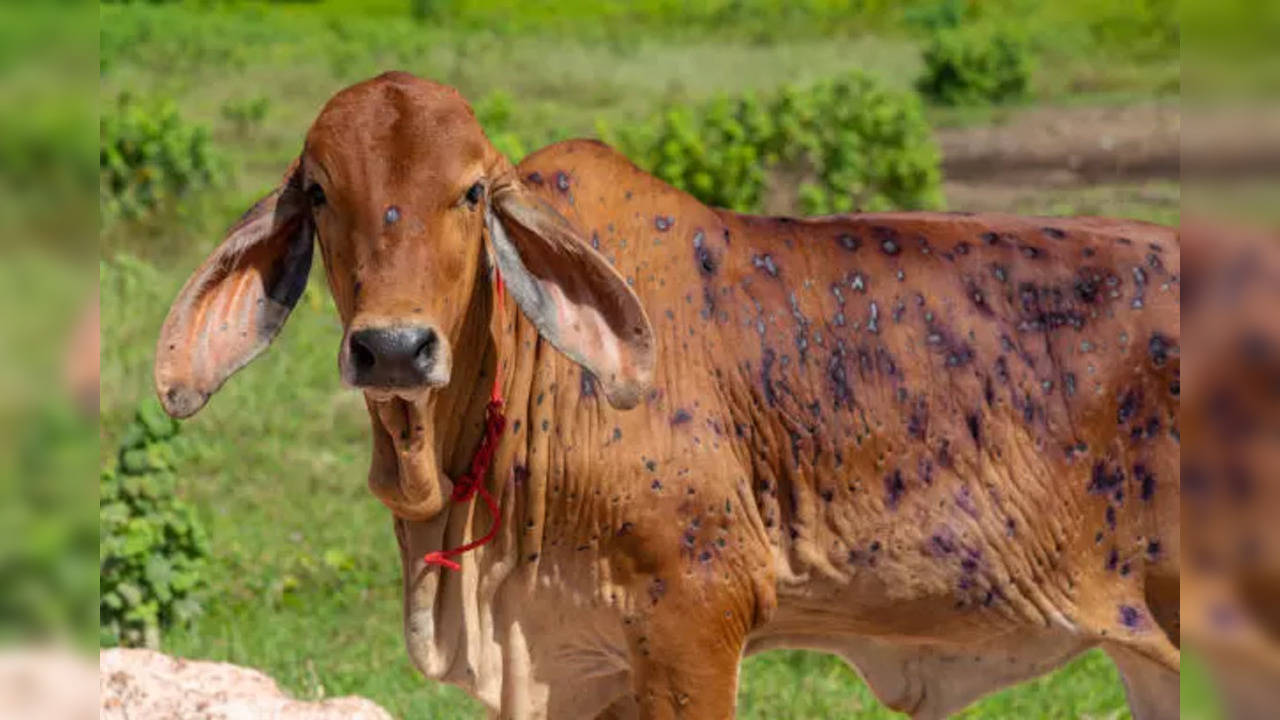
(1157, 201)
(305, 572)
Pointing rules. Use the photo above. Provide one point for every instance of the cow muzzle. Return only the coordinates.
(397, 359)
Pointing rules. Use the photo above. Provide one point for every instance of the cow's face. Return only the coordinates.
(397, 177)
(413, 210)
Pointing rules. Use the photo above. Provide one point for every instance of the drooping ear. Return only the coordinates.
(237, 300)
(578, 302)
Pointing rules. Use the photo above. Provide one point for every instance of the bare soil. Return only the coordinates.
(1074, 160)
(1048, 160)
(1060, 147)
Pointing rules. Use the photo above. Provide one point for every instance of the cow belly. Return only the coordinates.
(933, 680)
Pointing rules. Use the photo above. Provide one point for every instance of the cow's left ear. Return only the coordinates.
(575, 298)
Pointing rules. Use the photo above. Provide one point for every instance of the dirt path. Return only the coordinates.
(1067, 146)
(1050, 160)
(1078, 160)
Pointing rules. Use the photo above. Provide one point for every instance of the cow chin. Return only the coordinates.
(414, 396)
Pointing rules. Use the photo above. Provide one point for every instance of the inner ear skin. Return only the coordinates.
(233, 305)
(578, 302)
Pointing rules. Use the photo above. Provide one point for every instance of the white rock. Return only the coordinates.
(148, 685)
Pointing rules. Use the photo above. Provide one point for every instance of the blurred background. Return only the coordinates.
(48, 360)
(247, 534)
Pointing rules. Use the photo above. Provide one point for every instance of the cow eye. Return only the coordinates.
(474, 193)
(315, 195)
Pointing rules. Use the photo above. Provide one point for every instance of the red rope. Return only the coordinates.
(472, 483)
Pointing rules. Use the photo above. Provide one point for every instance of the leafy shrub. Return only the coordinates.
(46, 554)
(246, 115)
(425, 10)
(152, 547)
(938, 15)
(1136, 29)
(975, 65)
(856, 144)
(148, 156)
(494, 113)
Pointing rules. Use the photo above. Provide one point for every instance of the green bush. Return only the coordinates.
(148, 157)
(1135, 29)
(934, 16)
(46, 554)
(975, 65)
(853, 144)
(494, 113)
(246, 115)
(152, 547)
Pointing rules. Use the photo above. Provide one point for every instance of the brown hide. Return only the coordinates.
(951, 429)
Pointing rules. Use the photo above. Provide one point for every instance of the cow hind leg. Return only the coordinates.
(1151, 686)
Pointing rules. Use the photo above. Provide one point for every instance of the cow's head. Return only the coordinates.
(412, 208)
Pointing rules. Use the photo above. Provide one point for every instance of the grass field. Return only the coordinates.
(305, 576)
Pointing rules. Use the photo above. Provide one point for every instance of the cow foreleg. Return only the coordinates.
(685, 654)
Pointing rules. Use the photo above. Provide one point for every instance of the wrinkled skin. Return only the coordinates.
(944, 447)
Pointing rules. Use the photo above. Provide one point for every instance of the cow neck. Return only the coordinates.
(473, 481)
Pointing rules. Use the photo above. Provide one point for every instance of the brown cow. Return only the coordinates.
(941, 446)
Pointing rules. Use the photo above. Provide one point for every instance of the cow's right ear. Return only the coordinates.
(237, 300)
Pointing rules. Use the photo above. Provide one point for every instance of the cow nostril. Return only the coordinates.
(426, 349)
(362, 357)
(397, 356)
